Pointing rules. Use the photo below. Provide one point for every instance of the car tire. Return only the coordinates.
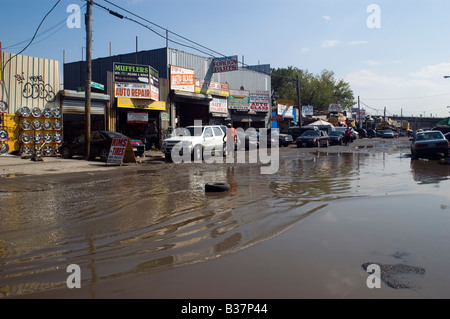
(414, 155)
(168, 157)
(217, 187)
(197, 153)
(104, 152)
(65, 152)
(224, 150)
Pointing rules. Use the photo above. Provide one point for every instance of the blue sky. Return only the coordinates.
(398, 64)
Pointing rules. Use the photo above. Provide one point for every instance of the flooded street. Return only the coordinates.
(151, 231)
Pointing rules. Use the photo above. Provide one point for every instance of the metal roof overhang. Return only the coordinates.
(181, 96)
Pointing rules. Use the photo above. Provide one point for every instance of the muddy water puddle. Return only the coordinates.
(307, 230)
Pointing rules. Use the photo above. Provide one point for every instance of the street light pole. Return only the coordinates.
(299, 104)
(87, 82)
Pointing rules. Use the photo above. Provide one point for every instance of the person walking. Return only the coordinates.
(230, 139)
(348, 135)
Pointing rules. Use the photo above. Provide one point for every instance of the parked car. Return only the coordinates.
(387, 134)
(100, 145)
(273, 135)
(296, 131)
(283, 139)
(396, 134)
(313, 138)
(447, 136)
(194, 140)
(336, 137)
(429, 144)
(247, 140)
(371, 133)
(362, 132)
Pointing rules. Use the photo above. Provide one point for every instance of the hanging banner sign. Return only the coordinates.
(213, 88)
(218, 105)
(137, 117)
(182, 79)
(286, 111)
(259, 101)
(239, 103)
(121, 151)
(225, 64)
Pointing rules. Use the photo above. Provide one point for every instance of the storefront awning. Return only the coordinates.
(197, 97)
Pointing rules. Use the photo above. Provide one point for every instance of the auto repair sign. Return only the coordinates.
(133, 90)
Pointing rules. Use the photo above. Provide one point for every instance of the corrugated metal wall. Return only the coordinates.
(30, 81)
(74, 72)
(249, 78)
(161, 59)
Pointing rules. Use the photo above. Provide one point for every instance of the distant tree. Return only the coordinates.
(317, 90)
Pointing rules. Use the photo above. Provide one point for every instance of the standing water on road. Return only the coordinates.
(305, 232)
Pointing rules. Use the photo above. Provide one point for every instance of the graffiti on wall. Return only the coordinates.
(35, 87)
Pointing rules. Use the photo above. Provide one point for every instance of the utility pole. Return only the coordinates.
(359, 113)
(300, 122)
(87, 82)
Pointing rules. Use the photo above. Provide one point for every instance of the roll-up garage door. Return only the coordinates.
(78, 107)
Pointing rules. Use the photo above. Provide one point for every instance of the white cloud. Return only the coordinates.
(413, 94)
(327, 17)
(330, 43)
(371, 62)
(306, 49)
(433, 71)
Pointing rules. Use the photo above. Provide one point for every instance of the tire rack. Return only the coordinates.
(35, 146)
(4, 148)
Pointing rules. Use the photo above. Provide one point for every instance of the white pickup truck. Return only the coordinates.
(195, 140)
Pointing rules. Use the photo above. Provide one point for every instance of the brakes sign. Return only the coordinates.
(117, 150)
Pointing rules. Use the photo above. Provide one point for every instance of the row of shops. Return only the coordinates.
(142, 94)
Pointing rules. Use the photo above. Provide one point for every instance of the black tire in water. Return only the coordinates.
(217, 187)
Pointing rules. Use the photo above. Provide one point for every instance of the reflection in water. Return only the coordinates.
(151, 220)
(429, 172)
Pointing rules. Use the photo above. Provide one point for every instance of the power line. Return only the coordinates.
(178, 35)
(35, 33)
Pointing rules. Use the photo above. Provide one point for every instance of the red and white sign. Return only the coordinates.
(259, 101)
(182, 79)
(133, 90)
(137, 117)
(117, 150)
(218, 105)
(278, 118)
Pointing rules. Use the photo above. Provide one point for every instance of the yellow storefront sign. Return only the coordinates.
(142, 104)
